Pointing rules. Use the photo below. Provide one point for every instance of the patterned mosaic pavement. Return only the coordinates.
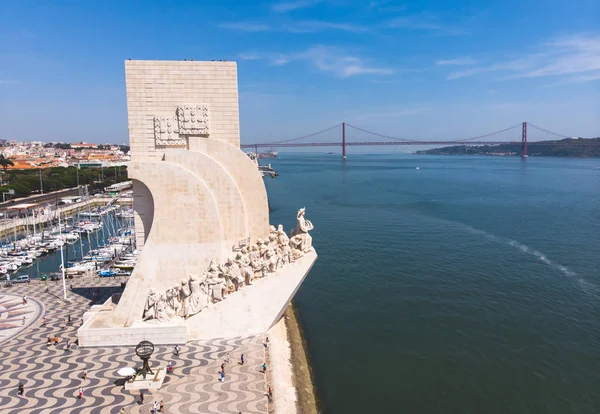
(53, 375)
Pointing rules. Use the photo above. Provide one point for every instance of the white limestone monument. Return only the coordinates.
(209, 265)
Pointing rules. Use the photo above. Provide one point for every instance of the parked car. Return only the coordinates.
(22, 279)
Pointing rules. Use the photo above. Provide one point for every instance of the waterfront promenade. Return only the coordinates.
(52, 375)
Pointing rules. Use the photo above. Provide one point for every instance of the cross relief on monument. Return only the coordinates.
(192, 120)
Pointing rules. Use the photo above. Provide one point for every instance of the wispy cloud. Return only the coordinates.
(245, 26)
(298, 26)
(327, 60)
(287, 6)
(423, 21)
(313, 26)
(574, 59)
(457, 62)
(384, 6)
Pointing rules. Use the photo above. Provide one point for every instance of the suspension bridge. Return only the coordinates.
(347, 135)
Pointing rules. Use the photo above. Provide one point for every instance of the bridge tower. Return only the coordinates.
(343, 140)
(524, 141)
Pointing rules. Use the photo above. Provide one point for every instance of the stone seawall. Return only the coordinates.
(290, 376)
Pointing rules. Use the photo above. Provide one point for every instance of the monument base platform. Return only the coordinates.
(250, 311)
(152, 381)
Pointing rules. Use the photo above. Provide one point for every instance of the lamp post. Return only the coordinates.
(41, 183)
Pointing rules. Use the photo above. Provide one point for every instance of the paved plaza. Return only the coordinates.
(52, 375)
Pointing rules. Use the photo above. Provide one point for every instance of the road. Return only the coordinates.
(40, 199)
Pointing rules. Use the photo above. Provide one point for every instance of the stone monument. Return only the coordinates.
(209, 265)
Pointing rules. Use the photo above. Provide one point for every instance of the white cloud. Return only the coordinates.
(245, 26)
(575, 58)
(423, 21)
(313, 26)
(327, 60)
(457, 62)
(298, 26)
(287, 6)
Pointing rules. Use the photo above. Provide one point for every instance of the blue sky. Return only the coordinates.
(423, 70)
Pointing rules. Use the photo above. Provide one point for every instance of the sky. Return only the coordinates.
(422, 70)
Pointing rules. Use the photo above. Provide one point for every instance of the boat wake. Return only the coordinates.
(588, 287)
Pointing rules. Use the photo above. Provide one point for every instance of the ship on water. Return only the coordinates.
(268, 154)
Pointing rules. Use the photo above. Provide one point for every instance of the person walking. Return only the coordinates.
(264, 367)
(176, 350)
(222, 376)
(21, 389)
(242, 359)
(155, 407)
(141, 398)
(227, 358)
(223, 367)
(44, 322)
(85, 374)
(162, 406)
(80, 393)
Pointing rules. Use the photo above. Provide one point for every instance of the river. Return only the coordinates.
(469, 285)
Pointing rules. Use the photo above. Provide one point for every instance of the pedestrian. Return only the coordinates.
(24, 300)
(47, 290)
(141, 398)
(44, 322)
(80, 393)
(85, 374)
(21, 388)
(162, 406)
(55, 339)
(68, 345)
(227, 358)
(264, 367)
(267, 342)
(223, 367)
(23, 320)
(155, 407)
(122, 411)
(176, 350)
(270, 394)
(69, 320)
(49, 340)
(242, 359)
(222, 376)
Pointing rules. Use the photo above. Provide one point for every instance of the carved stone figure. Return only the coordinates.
(256, 261)
(302, 241)
(215, 281)
(184, 298)
(172, 300)
(282, 238)
(150, 307)
(198, 299)
(161, 309)
(245, 268)
(271, 260)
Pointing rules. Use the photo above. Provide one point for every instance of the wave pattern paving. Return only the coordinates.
(52, 376)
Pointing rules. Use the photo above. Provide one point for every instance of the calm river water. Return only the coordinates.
(470, 285)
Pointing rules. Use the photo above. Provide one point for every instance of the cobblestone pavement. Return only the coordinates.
(52, 375)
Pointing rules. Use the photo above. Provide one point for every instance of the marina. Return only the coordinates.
(97, 241)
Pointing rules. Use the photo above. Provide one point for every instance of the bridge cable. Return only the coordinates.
(299, 138)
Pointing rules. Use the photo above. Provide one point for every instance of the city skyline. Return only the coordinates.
(422, 71)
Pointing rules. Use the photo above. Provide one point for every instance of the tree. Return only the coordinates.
(5, 162)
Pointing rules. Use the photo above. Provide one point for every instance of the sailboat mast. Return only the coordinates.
(62, 261)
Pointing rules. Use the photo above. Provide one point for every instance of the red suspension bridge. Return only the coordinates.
(346, 135)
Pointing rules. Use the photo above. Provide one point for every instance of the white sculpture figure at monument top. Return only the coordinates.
(302, 241)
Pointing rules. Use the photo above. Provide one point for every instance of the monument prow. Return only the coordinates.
(209, 264)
